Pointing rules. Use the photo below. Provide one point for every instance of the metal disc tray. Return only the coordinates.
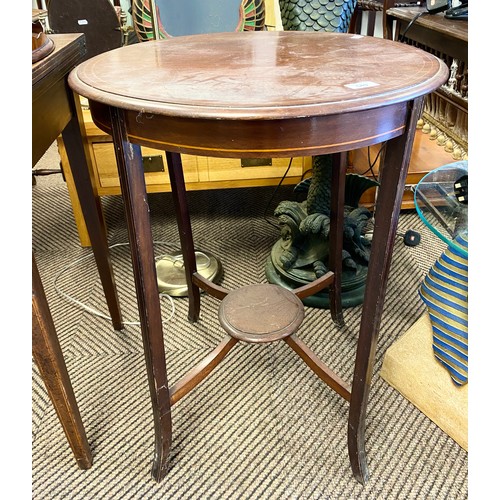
(171, 275)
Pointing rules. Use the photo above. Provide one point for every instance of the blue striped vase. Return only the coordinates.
(445, 293)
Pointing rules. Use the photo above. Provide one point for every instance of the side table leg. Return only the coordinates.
(392, 182)
(176, 175)
(133, 185)
(50, 361)
(92, 212)
(337, 235)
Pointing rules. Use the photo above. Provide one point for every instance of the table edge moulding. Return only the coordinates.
(370, 91)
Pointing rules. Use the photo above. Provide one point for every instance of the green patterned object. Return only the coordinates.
(251, 17)
(301, 254)
(317, 15)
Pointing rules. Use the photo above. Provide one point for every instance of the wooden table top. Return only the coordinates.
(258, 75)
(50, 105)
(68, 51)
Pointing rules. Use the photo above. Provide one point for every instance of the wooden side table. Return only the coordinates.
(51, 114)
(248, 95)
(54, 112)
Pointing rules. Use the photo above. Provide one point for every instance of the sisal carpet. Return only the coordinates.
(262, 425)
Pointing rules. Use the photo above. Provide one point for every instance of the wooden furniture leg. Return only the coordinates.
(50, 361)
(336, 240)
(81, 227)
(392, 182)
(92, 211)
(131, 172)
(179, 196)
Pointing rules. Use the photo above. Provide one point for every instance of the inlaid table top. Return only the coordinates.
(223, 94)
(255, 75)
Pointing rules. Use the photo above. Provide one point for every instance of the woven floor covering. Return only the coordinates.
(262, 425)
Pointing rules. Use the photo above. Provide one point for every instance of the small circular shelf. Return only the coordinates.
(261, 313)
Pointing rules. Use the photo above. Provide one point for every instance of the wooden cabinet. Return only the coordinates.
(446, 110)
(200, 172)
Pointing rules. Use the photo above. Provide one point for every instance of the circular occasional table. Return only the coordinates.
(441, 200)
(253, 95)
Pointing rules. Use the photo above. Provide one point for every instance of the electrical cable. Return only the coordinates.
(179, 261)
(371, 164)
(302, 177)
(100, 314)
(412, 21)
(274, 194)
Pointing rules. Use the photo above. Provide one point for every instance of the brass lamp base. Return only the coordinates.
(171, 274)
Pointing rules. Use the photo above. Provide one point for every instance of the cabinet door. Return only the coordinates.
(228, 169)
(155, 167)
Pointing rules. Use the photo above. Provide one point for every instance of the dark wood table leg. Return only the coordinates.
(133, 186)
(392, 183)
(179, 195)
(92, 211)
(50, 361)
(336, 241)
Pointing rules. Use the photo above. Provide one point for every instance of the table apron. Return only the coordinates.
(256, 138)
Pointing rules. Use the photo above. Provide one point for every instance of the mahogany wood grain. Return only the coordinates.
(319, 367)
(278, 138)
(261, 313)
(257, 76)
(141, 245)
(92, 210)
(315, 286)
(255, 94)
(179, 197)
(392, 182)
(54, 113)
(208, 286)
(200, 371)
(336, 236)
(50, 110)
(49, 358)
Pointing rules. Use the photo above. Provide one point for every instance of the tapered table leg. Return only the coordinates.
(92, 212)
(131, 172)
(50, 361)
(336, 242)
(392, 182)
(179, 196)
